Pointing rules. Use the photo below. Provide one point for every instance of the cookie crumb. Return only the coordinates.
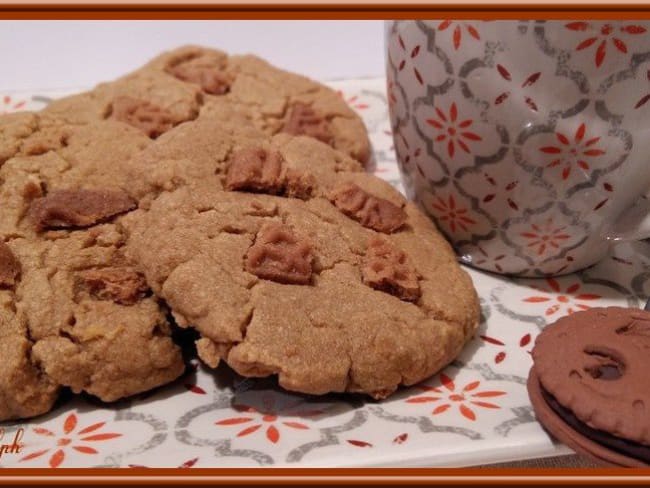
(9, 266)
(389, 269)
(370, 211)
(120, 285)
(72, 208)
(280, 255)
(210, 78)
(149, 118)
(304, 120)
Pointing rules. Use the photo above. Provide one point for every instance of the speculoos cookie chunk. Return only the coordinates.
(596, 398)
(77, 208)
(279, 279)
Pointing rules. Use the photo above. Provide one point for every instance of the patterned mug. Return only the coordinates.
(528, 142)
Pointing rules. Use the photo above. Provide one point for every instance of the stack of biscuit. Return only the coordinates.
(225, 195)
(595, 400)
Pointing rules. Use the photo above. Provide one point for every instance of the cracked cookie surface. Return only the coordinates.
(294, 287)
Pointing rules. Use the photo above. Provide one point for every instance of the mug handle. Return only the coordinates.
(633, 224)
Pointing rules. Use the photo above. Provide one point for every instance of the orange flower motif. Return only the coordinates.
(501, 355)
(458, 32)
(463, 398)
(453, 131)
(569, 154)
(267, 417)
(570, 299)
(604, 33)
(69, 439)
(544, 236)
(449, 213)
(9, 105)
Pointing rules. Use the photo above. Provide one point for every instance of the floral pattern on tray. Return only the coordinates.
(476, 411)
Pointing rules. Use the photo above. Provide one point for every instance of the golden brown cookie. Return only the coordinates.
(166, 186)
(282, 275)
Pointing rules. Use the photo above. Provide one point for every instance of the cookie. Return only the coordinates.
(322, 276)
(76, 312)
(596, 398)
(175, 86)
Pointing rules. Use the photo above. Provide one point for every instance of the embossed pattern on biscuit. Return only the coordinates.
(149, 118)
(389, 269)
(210, 78)
(202, 67)
(74, 208)
(279, 254)
(304, 120)
(370, 211)
(255, 169)
(258, 169)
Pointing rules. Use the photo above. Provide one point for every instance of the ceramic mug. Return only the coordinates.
(527, 141)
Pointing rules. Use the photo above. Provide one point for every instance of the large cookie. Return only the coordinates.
(596, 398)
(176, 85)
(76, 312)
(326, 277)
